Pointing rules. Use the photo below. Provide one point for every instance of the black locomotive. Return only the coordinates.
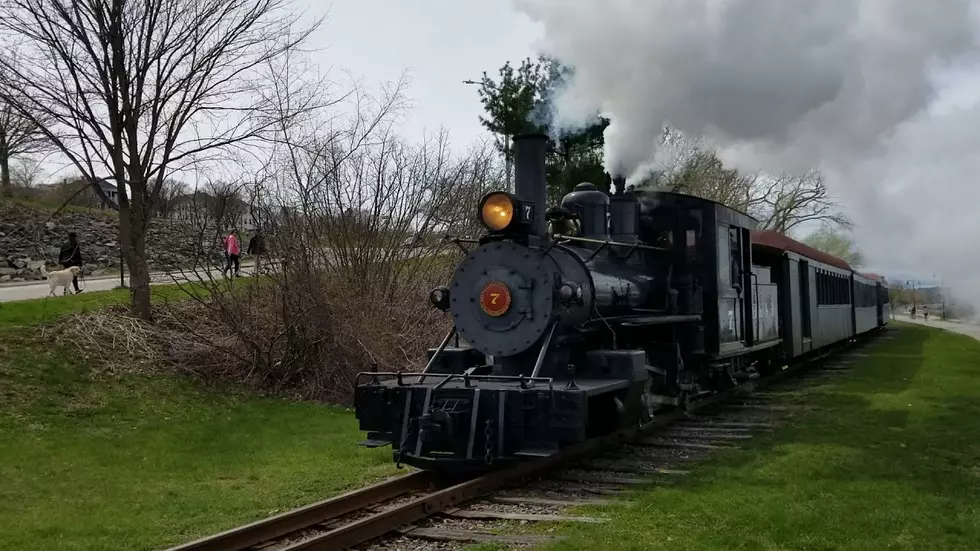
(595, 315)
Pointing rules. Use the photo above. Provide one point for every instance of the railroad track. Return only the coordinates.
(590, 472)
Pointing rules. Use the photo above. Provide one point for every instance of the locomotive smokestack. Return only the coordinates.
(529, 175)
(620, 183)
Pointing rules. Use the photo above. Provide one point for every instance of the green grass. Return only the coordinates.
(22, 313)
(50, 206)
(145, 462)
(889, 458)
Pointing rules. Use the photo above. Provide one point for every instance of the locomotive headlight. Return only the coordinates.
(497, 210)
(439, 297)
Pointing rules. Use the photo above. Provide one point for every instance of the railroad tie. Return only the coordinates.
(682, 445)
(612, 480)
(691, 435)
(766, 407)
(546, 502)
(729, 424)
(439, 534)
(629, 468)
(529, 517)
(695, 429)
(597, 490)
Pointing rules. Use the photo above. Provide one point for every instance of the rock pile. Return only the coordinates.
(29, 239)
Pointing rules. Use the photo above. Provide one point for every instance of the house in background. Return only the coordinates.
(207, 210)
(111, 192)
(79, 192)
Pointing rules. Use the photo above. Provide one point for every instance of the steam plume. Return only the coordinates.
(848, 86)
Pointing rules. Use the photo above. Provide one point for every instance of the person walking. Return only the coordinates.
(256, 246)
(232, 252)
(71, 255)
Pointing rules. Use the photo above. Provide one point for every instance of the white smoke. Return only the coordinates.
(848, 86)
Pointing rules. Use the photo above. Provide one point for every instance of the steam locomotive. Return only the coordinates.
(601, 313)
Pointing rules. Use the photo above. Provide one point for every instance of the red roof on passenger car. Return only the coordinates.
(876, 277)
(778, 241)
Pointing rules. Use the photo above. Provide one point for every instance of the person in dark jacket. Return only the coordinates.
(71, 255)
(256, 246)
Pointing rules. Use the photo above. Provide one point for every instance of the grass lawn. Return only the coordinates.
(889, 459)
(28, 313)
(148, 462)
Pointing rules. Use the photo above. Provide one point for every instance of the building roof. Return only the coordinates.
(777, 241)
(106, 185)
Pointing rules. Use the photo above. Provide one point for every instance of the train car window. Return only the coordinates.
(865, 295)
(820, 299)
(692, 235)
(724, 257)
(833, 288)
(805, 299)
(736, 256)
(821, 287)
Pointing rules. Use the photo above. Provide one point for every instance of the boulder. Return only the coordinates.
(27, 234)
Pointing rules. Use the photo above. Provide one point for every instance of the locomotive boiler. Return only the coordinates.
(574, 321)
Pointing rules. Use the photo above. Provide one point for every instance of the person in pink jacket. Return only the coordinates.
(232, 252)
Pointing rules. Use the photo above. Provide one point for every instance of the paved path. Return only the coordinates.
(40, 289)
(962, 328)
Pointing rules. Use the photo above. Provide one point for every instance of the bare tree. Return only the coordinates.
(170, 192)
(226, 203)
(780, 202)
(25, 172)
(785, 201)
(19, 135)
(138, 89)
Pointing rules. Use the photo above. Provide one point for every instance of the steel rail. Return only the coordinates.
(304, 517)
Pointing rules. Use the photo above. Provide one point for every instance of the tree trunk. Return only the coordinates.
(134, 251)
(5, 189)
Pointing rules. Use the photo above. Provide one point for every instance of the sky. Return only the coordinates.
(440, 43)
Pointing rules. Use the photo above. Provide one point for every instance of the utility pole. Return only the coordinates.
(942, 295)
(912, 285)
(507, 160)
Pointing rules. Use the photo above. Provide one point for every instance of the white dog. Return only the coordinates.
(61, 278)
